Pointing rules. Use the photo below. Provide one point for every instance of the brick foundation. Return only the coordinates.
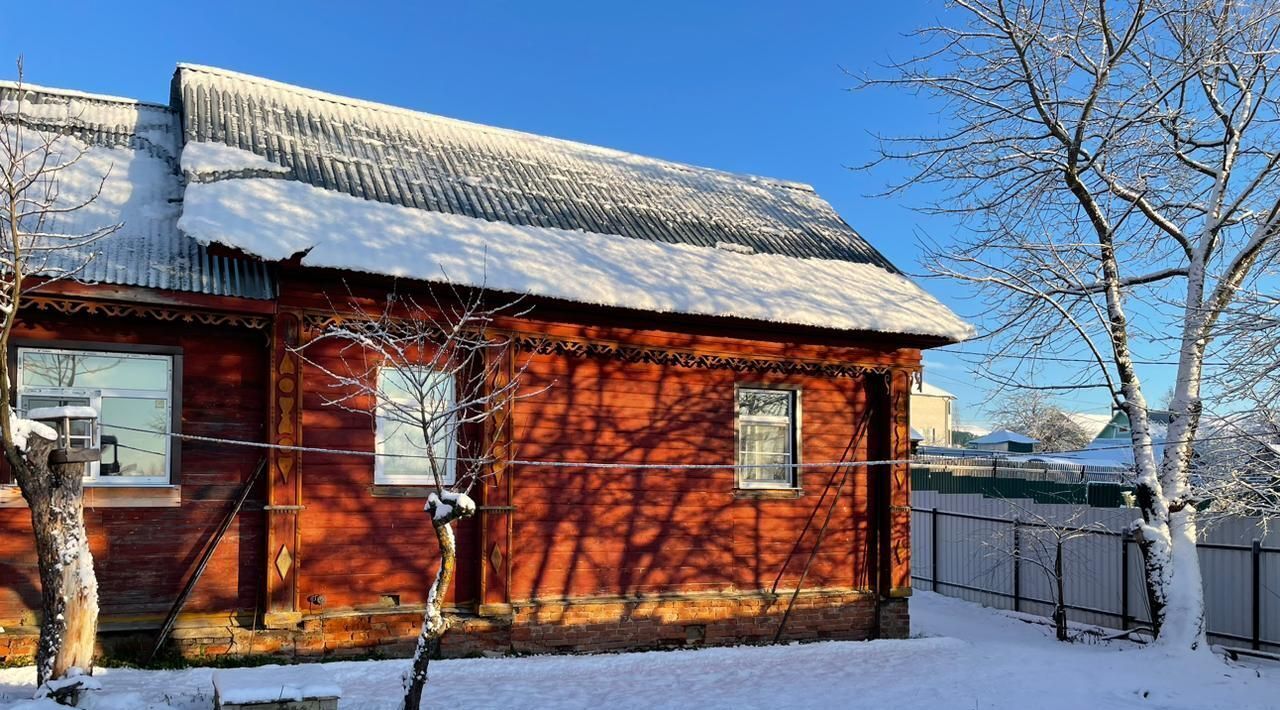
(543, 626)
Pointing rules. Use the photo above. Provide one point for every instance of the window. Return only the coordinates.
(133, 395)
(400, 444)
(767, 438)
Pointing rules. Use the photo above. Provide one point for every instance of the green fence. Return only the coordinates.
(1007, 484)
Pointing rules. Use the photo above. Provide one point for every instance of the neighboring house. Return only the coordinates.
(660, 297)
(931, 414)
(1117, 427)
(1092, 424)
(1004, 440)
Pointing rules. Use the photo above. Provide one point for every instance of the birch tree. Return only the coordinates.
(438, 382)
(36, 157)
(1114, 166)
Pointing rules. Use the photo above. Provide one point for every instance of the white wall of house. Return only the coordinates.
(931, 414)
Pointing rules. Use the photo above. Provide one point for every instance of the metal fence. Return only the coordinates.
(964, 462)
(963, 545)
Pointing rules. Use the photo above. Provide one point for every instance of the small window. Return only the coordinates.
(400, 442)
(767, 438)
(133, 395)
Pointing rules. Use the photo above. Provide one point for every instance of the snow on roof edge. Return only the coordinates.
(72, 93)
(276, 219)
(931, 390)
(392, 108)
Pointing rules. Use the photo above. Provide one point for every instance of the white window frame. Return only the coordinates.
(791, 421)
(93, 475)
(380, 476)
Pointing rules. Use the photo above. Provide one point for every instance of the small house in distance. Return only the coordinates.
(709, 353)
(1005, 440)
(931, 414)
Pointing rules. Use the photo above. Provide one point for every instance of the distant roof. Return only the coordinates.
(1002, 436)
(130, 151)
(929, 390)
(550, 217)
(1092, 424)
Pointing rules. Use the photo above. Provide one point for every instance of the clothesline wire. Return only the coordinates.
(597, 464)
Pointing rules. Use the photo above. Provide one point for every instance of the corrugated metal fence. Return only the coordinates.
(962, 546)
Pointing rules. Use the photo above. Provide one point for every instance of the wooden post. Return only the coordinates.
(497, 512)
(284, 482)
(899, 494)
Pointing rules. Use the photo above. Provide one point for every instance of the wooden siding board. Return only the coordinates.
(139, 570)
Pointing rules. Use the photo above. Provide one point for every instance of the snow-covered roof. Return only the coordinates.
(1092, 424)
(355, 185)
(129, 150)
(1002, 436)
(929, 390)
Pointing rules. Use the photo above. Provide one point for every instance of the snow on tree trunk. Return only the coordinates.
(444, 510)
(69, 587)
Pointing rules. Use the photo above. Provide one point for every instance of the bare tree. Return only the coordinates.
(1033, 413)
(436, 377)
(36, 156)
(1042, 542)
(1237, 468)
(1116, 169)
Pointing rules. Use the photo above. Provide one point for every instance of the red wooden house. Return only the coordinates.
(676, 315)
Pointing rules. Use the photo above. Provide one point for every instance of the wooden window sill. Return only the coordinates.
(389, 490)
(768, 493)
(109, 497)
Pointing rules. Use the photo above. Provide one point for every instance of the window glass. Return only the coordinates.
(132, 394)
(770, 403)
(94, 370)
(766, 438)
(401, 444)
(138, 453)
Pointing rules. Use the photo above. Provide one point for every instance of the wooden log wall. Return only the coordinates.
(143, 554)
(588, 532)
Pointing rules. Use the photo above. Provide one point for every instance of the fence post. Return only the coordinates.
(1124, 579)
(1255, 554)
(933, 547)
(1017, 566)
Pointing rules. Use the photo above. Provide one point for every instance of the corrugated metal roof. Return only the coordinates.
(135, 147)
(403, 157)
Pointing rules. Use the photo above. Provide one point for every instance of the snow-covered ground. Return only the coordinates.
(964, 657)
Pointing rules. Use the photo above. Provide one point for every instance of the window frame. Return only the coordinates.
(380, 476)
(173, 444)
(795, 433)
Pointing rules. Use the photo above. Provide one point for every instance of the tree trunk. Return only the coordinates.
(1060, 610)
(69, 588)
(434, 624)
(1171, 565)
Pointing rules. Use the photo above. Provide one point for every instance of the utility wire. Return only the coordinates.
(612, 465)
(1058, 358)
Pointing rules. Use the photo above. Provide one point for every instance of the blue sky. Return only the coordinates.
(752, 87)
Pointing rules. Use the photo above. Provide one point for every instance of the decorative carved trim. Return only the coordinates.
(547, 345)
(70, 306)
(544, 345)
(320, 322)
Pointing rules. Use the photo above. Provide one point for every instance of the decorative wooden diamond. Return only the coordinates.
(284, 561)
(495, 559)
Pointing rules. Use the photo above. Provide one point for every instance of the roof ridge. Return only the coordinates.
(72, 93)
(391, 108)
